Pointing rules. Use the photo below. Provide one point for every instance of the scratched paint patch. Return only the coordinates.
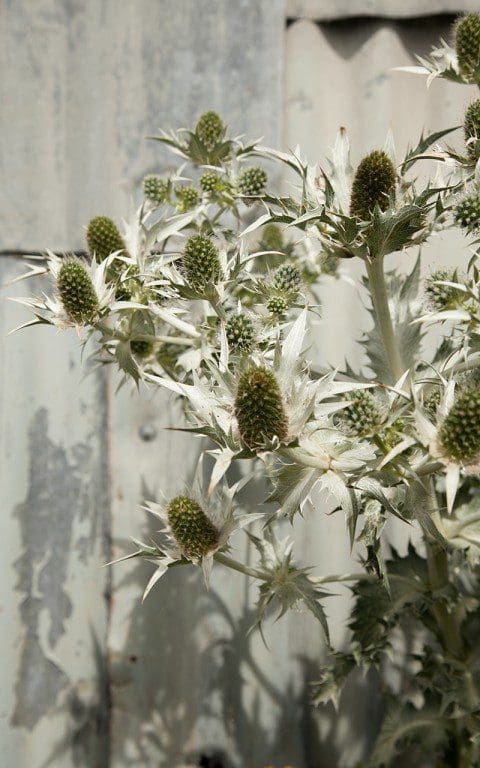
(58, 493)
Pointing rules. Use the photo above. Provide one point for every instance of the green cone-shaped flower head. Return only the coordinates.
(373, 184)
(77, 293)
(201, 264)
(155, 189)
(441, 297)
(471, 129)
(188, 197)
(252, 181)
(277, 303)
(362, 417)
(467, 44)
(460, 432)
(467, 212)
(259, 408)
(103, 238)
(288, 278)
(240, 333)
(194, 533)
(210, 129)
(210, 182)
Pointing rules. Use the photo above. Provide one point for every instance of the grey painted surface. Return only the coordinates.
(328, 10)
(91, 80)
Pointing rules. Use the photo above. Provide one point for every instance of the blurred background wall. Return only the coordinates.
(89, 677)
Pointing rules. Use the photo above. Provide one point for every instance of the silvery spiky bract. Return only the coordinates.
(240, 333)
(155, 188)
(373, 184)
(210, 129)
(460, 431)
(471, 129)
(103, 238)
(259, 408)
(467, 45)
(200, 262)
(252, 181)
(77, 292)
(190, 526)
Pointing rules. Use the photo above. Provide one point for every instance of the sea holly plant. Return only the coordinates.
(210, 291)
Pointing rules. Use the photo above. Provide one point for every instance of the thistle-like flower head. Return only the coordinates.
(459, 433)
(188, 198)
(201, 264)
(210, 129)
(288, 278)
(363, 416)
(210, 182)
(103, 238)
(440, 296)
(193, 531)
(252, 181)
(467, 46)
(240, 333)
(259, 408)
(467, 213)
(471, 129)
(155, 189)
(77, 292)
(277, 303)
(373, 184)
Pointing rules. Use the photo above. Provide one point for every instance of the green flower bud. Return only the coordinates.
(467, 213)
(431, 403)
(141, 348)
(155, 189)
(252, 181)
(194, 533)
(240, 333)
(103, 238)
(471, 129)
(362, 417)
(441, 296)
(460, 432)
(288, 278)
(272, 239)
(277, 304)
(259, 408)
(77, 293)
(392, 435)
(210, 182)
(373, 184)
(210, 129)
(201, 264)
(467, 44)
(188, 197)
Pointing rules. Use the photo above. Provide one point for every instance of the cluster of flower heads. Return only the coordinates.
(209, 290)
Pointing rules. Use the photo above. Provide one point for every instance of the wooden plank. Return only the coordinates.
(329, 10)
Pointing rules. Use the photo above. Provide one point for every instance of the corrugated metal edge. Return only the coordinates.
(330, 10)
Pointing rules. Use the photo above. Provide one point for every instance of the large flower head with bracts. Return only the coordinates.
(194, 525)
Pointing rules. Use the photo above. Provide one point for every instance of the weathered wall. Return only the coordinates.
(87, 80)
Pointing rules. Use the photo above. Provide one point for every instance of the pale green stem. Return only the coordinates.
(343, 577)
(235, 565)
(379, 294)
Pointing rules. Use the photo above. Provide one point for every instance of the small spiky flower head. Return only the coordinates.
(240, 333)
(210, 182)
(210, 129)
(288, 278)
(194, 533)
(103, 238)
(252, 181)
(459, 433)
(363, 416)
(188, 197)
(77, 292)
(272, 239)
(467, 45)
(471, 129)
(373, 184)
(467, 213)
(201, 264)
(155, 189)
(259, 408)
(141, 347)
(277, 303)
(441, 297)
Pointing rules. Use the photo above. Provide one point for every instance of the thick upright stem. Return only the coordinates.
(378, 289)
(447, 621)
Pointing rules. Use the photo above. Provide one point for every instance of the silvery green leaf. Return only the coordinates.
(293, 484)
(332, 680)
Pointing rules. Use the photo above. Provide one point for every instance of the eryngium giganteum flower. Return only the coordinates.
(193, 531)
(288, 278)
(252, 181)
(459, 434)
(210, 129)
(210, 182)
(103, 238)
(155, 189)
(188, 197)
(259, 408)
(363, 416)
(200, 262)
(240, 333)
(467, 212)
(471, 129)
(77, 292)
(467, 44)
(373, 184)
